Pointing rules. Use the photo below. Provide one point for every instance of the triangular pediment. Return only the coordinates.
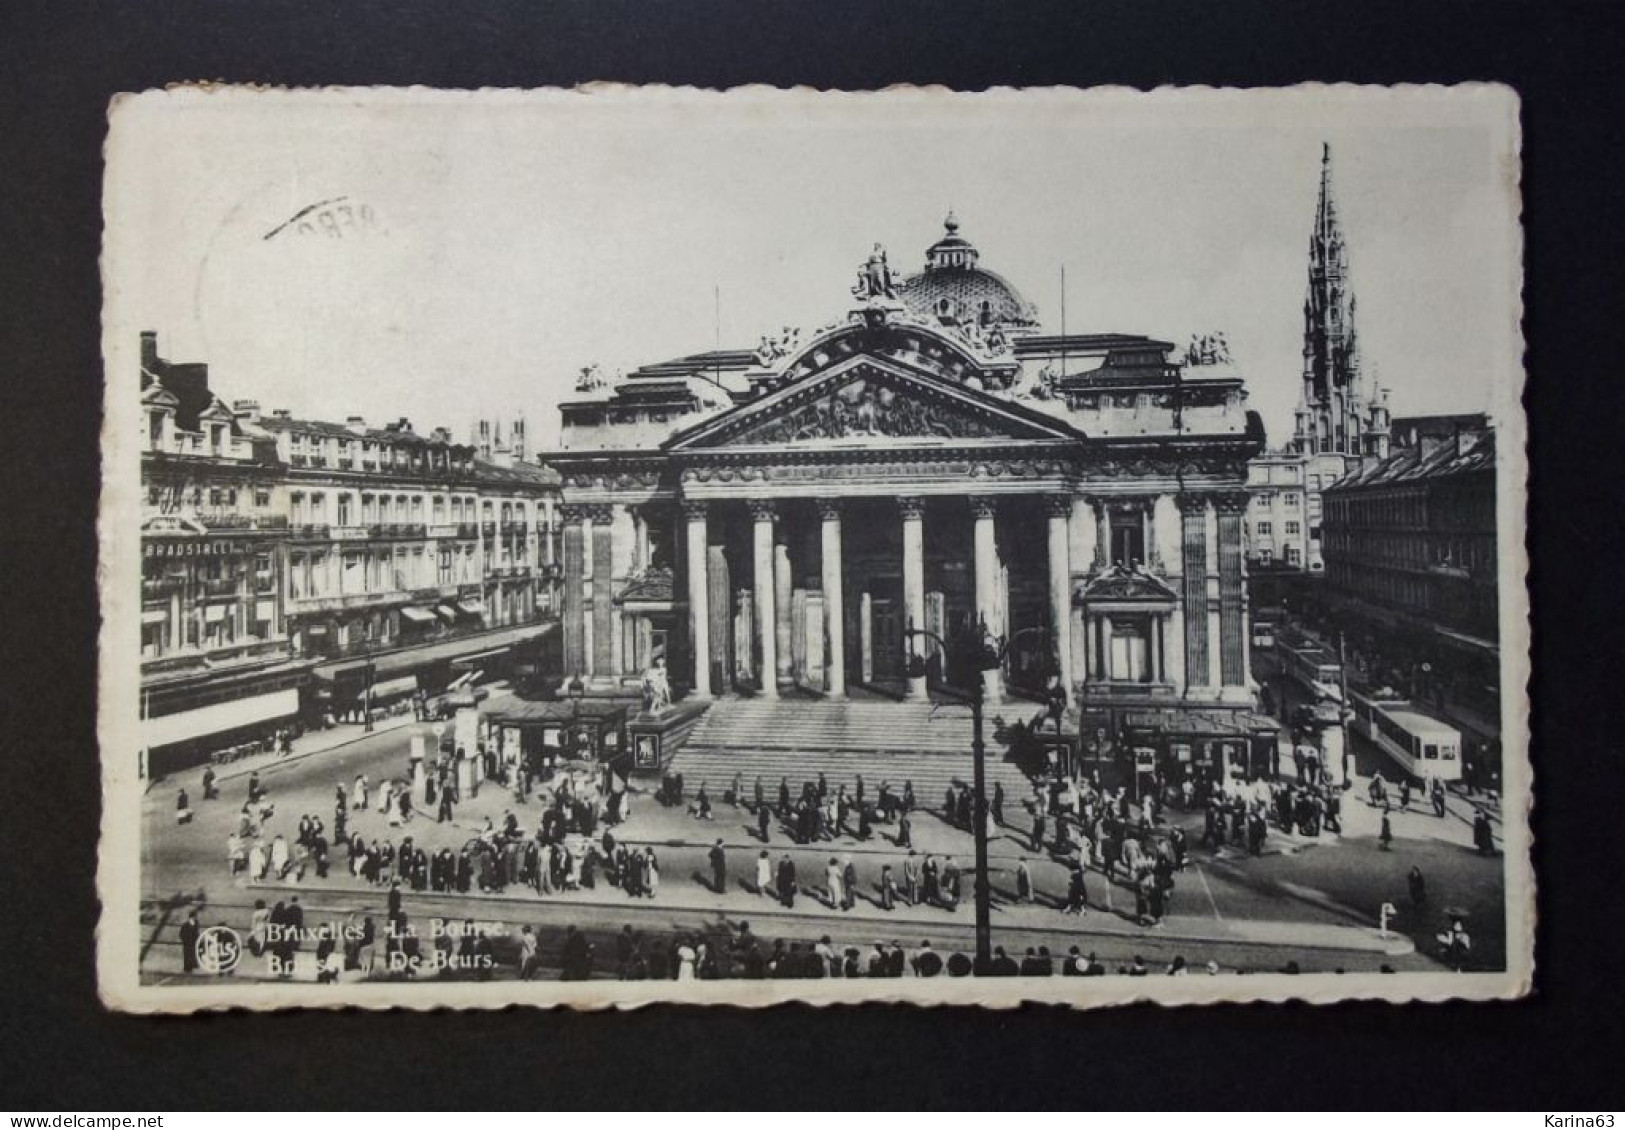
(872, 402)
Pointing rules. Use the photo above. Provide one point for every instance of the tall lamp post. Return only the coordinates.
(987, 650)
(990, 652)
(366, 701)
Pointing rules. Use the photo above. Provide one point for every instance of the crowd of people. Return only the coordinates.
(1126, 834)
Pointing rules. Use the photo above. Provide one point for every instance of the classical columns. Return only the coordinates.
(1230, 507)
(575, 625)
(762, 512)
(1193, 586)
(699, 595)
(913, 514)
(1059, 509)
(783, 594)
(986, 555)
(829, 511)
(603, 607)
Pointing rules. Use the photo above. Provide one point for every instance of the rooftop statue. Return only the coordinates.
(875, 278)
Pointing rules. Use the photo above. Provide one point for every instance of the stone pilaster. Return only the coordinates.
(604, 629)
(575, 626)
(1193, 588)
(1230, 507)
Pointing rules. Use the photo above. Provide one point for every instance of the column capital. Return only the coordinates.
(762, 509)
(1190, 503)
(829, 509)
(983, 506)
(695, 511)
(911, 507)
(1058, 505)
(572, 513)
(1230, 502)
(601, 513)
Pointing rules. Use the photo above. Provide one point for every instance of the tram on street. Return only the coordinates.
(1310, 663)
(1421, 744)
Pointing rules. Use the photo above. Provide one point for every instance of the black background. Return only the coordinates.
(60, 62)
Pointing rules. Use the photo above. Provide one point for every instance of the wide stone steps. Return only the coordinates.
(931, 774)
(860, 726)
(882, 741)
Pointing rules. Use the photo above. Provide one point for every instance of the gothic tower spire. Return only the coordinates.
(1329, 419)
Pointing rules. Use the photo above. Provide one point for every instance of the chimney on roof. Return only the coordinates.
(404, 426)
(356, 424)
(248, 410)
(441, 435)
(149, 350)
(281, 414)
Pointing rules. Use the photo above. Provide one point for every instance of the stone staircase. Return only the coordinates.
(883, 741)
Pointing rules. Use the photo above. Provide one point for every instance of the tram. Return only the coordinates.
(1421, 744)
(1311, 664)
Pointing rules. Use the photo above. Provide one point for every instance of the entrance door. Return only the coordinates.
(887, 605)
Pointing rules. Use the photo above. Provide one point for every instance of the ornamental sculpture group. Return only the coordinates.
(875, 279)
(863, 409)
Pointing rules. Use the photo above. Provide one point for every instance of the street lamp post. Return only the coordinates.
(990, 651)
(980, 886)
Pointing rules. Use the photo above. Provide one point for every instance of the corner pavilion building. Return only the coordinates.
(854, 511)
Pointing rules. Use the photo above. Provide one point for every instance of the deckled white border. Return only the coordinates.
(119, 886)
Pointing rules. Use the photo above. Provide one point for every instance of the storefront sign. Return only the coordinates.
(154, 548)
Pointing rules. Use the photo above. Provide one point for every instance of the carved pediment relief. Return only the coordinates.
(868, 407)
(869, 402)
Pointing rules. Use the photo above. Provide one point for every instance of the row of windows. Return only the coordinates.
(313, 508)
(309, 449)
(215, 496)
(1291, 529)
(1417, 550)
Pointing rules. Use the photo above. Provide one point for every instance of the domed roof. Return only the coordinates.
(953, 288)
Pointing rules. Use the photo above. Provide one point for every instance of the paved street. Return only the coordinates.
(1314, 902)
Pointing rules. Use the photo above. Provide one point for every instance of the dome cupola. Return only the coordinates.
(954, 289)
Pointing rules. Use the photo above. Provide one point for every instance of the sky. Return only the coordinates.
(494, 246)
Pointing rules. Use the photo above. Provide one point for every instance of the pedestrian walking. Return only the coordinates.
(719, 869)
(833, 880)
(1024, 881)
(190, 933)
(1418, 886)
(1385, 837)
(787, 881)
(849, 883)
(1077, 894)
(888, 888)
(764, 874)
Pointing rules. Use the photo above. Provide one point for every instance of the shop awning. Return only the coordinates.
(1199, 723)
(392, 688)
(471, 608)
(480, 656)
(446, 612)
(415, 659)
(418, 615)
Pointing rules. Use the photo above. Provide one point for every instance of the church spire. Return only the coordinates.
(1331, 368)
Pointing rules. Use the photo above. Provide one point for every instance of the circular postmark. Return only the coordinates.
(219, 949)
